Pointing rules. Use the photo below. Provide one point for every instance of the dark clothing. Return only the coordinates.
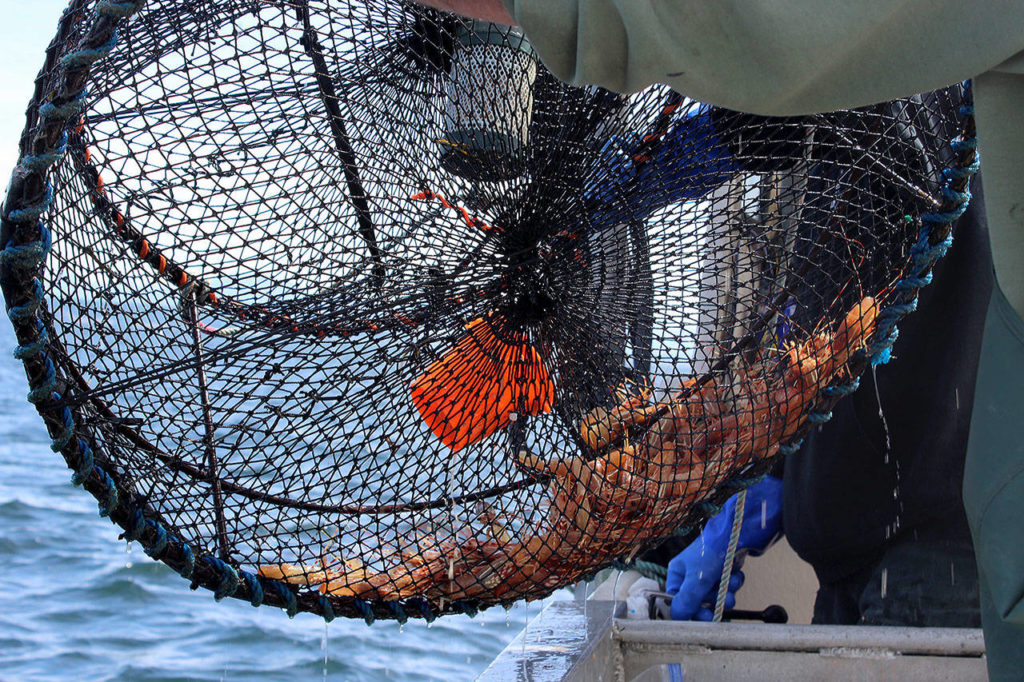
(857, 486)
(926, 577)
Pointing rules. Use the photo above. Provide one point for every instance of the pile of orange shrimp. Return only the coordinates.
(653, 461)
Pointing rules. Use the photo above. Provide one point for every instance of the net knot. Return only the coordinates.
(86, 466)
(88, 55)
(291, 603)
(841, 390)
(400, 615)
(27, 310)
(138, 527)
(963, 144)
(895, 312)
(909, 284)
(326, 609)
(159, 545)
(110, 498)
(38, 163)
(425, 609)
(709, 508)
(886, 337)
(64, 111)
(67, 428)
(228, 578)
(883, 357)
(35, 348)
(189, 565)
(790, 448)
(255, 588)
(683, 530)
(44, 389)
(942, 217)
(118, 9)
(649, 569)
(738, 483)
(364, 608)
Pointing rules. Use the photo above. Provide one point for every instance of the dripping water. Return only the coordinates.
(526, 626)
(703, 546)
(615, 592)
(888, 456)
(323, 651)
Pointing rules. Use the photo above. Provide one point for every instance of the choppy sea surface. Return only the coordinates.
(76, 603)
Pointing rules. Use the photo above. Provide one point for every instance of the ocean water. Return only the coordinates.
(77, 603)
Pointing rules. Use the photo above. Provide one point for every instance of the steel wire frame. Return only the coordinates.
(71, 409)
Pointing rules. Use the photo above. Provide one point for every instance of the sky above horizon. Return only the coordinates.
(28, 29)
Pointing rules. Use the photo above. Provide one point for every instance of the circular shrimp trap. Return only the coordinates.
(353, 308)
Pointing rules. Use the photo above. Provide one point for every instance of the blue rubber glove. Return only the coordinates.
(694, 574)
(686, 165)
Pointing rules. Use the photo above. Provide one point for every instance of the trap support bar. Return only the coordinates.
(576, 642)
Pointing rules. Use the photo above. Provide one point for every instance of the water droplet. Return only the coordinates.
(764, 514)
(885, 580)
(526, 625)
(615, 591)
(888, 453)
(956, 398)
(952, 574)
(323, 650)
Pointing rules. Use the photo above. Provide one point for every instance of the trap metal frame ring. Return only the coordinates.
(352, 308)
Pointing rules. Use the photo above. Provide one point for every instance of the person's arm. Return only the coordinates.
(487, 10)
(793, 57)
(773, 57)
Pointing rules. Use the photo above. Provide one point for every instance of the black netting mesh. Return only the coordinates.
(359, 297)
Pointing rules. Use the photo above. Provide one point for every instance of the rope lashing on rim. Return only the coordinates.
(534, 276)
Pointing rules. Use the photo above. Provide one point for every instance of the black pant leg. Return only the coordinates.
(926, 578)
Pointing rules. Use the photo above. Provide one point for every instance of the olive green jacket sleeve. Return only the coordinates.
(994, 488)
(773, 57)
